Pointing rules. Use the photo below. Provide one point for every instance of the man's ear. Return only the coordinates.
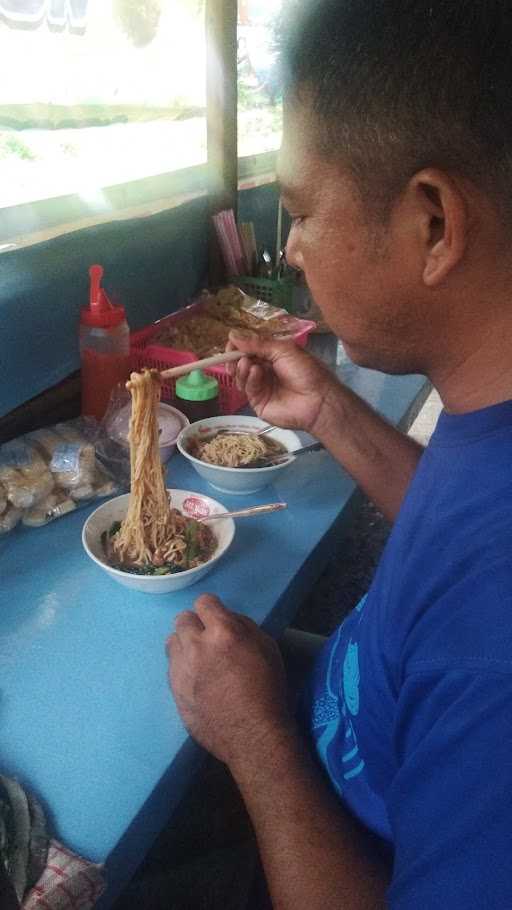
(443, 214)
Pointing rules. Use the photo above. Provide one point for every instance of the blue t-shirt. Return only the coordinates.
(410, 702)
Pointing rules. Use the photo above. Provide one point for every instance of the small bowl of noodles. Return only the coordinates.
(228, 452)
(192, 549)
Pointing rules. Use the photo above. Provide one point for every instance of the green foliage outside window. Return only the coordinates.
(139, 19)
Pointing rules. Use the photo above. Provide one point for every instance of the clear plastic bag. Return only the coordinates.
(112, 441)
(50, 472)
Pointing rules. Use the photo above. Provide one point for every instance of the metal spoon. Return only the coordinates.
(269, 460)
(251, 510)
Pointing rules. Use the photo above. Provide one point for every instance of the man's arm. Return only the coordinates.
(381, 459)
(229, 684)
(314, 854)
(290, 388)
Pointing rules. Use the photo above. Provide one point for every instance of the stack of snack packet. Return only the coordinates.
(48, 473)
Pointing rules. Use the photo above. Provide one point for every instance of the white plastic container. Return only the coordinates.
(170, 421)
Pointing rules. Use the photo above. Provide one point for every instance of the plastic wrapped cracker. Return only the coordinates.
(9, 518)
(70, 431)
(20, 455)
(24, 474)
(104, 485)
(3, 499)
(54, 506)
(45, 441)
(73, 465)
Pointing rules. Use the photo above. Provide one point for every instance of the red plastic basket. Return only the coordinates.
(146, 354)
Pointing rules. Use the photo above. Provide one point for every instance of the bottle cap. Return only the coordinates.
(197, 386)
(101, 313)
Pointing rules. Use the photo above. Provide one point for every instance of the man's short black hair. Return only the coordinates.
(398, 85)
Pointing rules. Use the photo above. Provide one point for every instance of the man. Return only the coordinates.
(396, 169)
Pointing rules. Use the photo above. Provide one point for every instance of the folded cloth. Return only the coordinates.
(68, 882)
(37, 873)
(23, 837)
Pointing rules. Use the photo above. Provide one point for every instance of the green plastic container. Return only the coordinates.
(197, 395)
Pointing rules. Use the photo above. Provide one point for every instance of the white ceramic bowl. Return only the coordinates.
(237, 480)
(170, 420)
(193, 505)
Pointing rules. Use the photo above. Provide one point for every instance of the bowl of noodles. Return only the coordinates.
(154, 539)
(228, 453)
(188, 554)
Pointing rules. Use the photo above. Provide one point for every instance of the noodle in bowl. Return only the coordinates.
(202, 436)
(191, 505)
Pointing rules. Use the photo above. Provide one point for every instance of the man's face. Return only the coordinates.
(363, 274)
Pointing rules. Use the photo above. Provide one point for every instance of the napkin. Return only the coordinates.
(43, 874)
(68, 882)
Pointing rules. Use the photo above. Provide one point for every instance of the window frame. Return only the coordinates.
(220, 177)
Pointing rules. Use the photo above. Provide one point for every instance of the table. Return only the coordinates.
(86, 717)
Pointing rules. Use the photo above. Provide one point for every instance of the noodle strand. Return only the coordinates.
(153, 533)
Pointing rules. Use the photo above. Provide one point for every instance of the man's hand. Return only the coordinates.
(228, 680)
(285, 385)
(290, 388)
(229, 684)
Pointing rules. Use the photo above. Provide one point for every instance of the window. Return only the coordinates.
(102, 110)
(259, 95)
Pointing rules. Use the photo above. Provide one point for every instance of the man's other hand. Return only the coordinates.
(228, 679)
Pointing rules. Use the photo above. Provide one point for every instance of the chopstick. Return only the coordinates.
(251, 510)
(215, 360)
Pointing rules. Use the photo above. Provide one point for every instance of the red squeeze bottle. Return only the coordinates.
(104, 347)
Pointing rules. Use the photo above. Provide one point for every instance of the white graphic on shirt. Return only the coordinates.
(333, 711)
(351, 678)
